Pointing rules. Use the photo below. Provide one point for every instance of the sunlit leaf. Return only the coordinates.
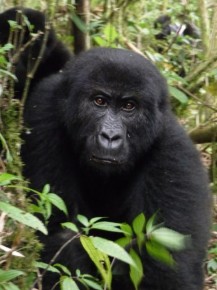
(112, 249)
(71, 227)
(170, 238)
(47, 267)
(107, 226)
(67, 283)
(99, 258)
(160, 253)
(58, 202)
(83, 220)
(136, 273)
(139, 224)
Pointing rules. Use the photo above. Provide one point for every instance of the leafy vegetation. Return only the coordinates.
(190, 66)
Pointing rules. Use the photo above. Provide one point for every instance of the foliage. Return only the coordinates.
(126, 24)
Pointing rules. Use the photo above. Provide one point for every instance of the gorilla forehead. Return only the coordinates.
(117, 70)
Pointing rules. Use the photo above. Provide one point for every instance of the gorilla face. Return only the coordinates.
(114, 108)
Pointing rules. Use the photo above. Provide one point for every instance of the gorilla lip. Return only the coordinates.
(100, 160)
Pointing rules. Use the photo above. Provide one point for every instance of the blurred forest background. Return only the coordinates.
(179, 36)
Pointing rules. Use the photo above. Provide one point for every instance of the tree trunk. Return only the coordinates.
(80, 32)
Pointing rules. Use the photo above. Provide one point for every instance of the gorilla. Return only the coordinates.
(105, 139)
(166, 27)
(54, 57)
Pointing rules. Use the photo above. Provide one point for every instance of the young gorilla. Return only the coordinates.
(54, 57)
(104, 137)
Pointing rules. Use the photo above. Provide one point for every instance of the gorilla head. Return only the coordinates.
(107, 107)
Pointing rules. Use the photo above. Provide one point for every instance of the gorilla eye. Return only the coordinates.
(128, 106)
(100, 101)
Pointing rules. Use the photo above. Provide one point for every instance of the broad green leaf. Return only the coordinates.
(160, 253)
(67, 283)
(46, 189)
(71, 227)
(99, 258)
(92, 284)
(96, 219)
(170, 238)
(139, 224)
(124, 241)
(58, 202)
(110, 33)
(9, 275)
(138, 227)
(112, 249)
(83, 220)
(47, 267)
(100, 41)
(136, 273)
(179, 95)
(63, 268)
(23, 217)
(107, 226)
(127, 230)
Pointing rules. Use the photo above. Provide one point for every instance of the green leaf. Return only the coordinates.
(6, 178)
(138, 227)
(47, 267)
(100, 41)
(91, 283)
(63, 268)
(127, 230)
(83, 220)
(160, 253)
(112, 249)
(46, 189)
(71, 227)
(79, 23)
(23, 217)
(124, 241)
(67, 283)
(170, 238)
(107, 226)
(9, 286)
(139, 224)
(99, 258)
(9, 275)
(58, 202)
(110, 33)
(8, 74)
(150, 226)
(136, 273)
(179, 95)
(96, 219)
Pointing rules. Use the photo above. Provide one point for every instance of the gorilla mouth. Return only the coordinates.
(105, 160)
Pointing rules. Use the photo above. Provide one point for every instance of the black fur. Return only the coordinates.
(104, 137)
(54, 57)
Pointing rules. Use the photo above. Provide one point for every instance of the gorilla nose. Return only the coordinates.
(110, 139)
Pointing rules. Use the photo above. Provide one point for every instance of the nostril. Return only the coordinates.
(110, 139)
(104, 135)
